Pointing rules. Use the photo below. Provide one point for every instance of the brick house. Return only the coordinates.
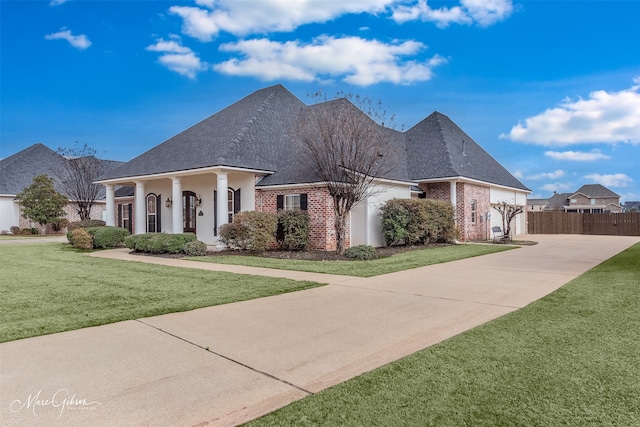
(590, 198)
(242, 158)
(17, 172)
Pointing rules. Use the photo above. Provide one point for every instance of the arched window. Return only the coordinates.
(152, 213)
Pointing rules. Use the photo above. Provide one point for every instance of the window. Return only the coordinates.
(593, 201)
(574, 200)
(230, 204)
(473, 210)
(291, 202)
(126, 217)
(152, 213)
(189, 211)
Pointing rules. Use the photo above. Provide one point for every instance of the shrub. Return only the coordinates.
(15, 230)
(108, 237)
(293, 230)
(59, 223)
(85, 224)
(81, 239)
(361, 252)
(159, 243)
(413, 221)
(250, 230)
(195, 248)
(29, 231)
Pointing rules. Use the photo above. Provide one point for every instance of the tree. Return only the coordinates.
(81, 169)
(40, 201)
(508, 212)
(347, 149)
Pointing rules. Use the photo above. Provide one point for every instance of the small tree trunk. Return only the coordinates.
(341, 231)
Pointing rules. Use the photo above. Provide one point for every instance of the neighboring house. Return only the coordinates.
(243, 158)
(590, 198)
(537, 205)
(17, 173)
(632, 206)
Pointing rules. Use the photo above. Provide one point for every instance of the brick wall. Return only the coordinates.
(465, 193)
(320, 208)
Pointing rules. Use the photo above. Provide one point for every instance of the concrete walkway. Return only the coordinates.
(228, 364)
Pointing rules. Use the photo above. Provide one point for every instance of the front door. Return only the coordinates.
(189, 211)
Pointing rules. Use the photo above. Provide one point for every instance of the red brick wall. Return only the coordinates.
(321, 218)
(465, 193)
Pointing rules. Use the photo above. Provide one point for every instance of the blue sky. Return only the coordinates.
(551, 89)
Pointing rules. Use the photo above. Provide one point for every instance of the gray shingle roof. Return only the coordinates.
(596, 191)
(17, 171)
(440, 149)
(254, 133)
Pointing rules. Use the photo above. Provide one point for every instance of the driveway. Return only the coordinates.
(228, 364)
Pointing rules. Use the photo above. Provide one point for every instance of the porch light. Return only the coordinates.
(168, 203)
(198, 200)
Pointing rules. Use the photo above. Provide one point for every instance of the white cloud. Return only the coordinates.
(560, 187)
(606, 117)
(177, 58)
(57, 2)
(481, 12)
(548, 175)
(362, 62)
(241, 18)
(81, 42)
(577, 156)
(613, 180)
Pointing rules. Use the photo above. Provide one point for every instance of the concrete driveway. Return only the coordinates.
(228, 364)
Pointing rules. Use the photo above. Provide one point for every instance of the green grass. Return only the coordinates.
(51, 288)
(403, 261)
(571, 358)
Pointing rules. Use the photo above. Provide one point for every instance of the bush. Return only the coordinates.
(159, 243)
(85, 224)
(250, 230)
(413, 221)
(59, 224)
(195, 248)
(29, 231)
(81, 239)
(293, 230)
(15, 230)
(361, 252)
(108, 237)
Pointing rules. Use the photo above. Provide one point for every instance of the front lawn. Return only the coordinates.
(403, 261)
(51, 287)
(571, 358)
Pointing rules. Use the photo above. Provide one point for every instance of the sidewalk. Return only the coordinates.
(228, 364)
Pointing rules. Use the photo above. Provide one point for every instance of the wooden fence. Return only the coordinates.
(558, 222)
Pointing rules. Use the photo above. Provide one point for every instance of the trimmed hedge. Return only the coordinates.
(160, 243)
(195, 248)
(80, 239)
(413, 221)
(85, 224)
(108, 237)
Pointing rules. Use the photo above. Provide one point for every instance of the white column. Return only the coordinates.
(111, 205)
(141, 209)
(176, 207)
(222, 198)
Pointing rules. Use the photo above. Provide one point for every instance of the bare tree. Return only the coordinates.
(508, 212)
(347, 149)
(81, 168)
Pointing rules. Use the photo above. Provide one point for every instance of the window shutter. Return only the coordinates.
(215, 212)
(119, 216)
(280, 202)
(158, 213)
(303, 202)
(236, 201)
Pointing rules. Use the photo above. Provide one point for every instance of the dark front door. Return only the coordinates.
(189, 211)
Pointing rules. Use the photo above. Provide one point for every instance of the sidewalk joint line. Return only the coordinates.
(309, 393)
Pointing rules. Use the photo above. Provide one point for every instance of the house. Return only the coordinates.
(537, 205)
(590, 198)
(17, 173)
(632, 206)
(243, 158)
